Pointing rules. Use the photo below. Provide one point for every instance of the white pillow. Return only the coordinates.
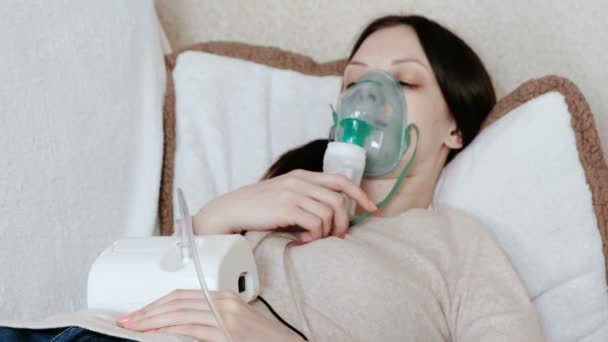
(234, 117)
(520, 177)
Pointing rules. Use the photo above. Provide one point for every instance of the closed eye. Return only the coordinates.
(403, 84)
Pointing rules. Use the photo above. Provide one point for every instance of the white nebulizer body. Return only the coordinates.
(348, 160)
(134, 272)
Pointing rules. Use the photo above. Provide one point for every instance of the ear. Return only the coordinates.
(454, 137)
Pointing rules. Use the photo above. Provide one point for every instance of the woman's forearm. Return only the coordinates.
(206, 223)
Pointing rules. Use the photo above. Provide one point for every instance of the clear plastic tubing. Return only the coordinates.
(189, 252)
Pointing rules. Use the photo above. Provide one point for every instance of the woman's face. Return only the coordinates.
(398, 51)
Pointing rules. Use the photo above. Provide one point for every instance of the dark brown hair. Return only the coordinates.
(463, 79)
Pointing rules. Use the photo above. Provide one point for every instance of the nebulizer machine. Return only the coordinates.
(134, 272)
(369, 137)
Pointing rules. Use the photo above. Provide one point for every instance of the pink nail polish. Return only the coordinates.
(129, 325)
(373, 205)
(123, 319)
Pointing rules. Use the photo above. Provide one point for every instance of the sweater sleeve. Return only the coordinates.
(489, 301)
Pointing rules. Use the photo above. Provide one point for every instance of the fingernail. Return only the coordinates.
(129, 325)
(123, 319)
(373, 205)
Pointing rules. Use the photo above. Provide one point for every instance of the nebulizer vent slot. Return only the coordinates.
(242, 283)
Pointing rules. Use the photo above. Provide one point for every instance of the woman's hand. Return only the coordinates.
(185, 312)
(310, 200)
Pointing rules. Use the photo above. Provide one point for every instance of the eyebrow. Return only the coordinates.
(395, 62)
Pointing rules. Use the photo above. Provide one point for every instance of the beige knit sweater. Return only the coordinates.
(425, 275)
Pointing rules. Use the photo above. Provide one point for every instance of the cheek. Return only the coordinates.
(431, 116)
(426, 111)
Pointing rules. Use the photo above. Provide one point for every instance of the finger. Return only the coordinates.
(173, 295)
(173, 305)
(167, 319)
(199, 332)
(334, 200)
(318, 209)
(338, 183)
(307, 221)
(342, 221)
(297, 182)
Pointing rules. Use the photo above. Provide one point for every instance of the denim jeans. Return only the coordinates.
(67, 334)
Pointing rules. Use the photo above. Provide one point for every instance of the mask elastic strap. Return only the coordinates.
(400, 180)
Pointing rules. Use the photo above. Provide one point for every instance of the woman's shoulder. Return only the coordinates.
(443, 216)
(459, 219)
(445, 222)
(452, 231)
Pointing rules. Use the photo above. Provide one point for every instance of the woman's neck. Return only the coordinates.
(416, 191)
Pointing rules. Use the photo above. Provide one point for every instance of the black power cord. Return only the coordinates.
(275, 313)
(281, 319)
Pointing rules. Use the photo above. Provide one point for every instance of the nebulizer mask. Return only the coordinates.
(369, 137)
(370, 133)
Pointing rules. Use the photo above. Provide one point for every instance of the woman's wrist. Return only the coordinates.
(206, 222)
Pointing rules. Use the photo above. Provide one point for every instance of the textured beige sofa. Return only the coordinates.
(83, 85)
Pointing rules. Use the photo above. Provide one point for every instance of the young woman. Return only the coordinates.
(407, 273)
